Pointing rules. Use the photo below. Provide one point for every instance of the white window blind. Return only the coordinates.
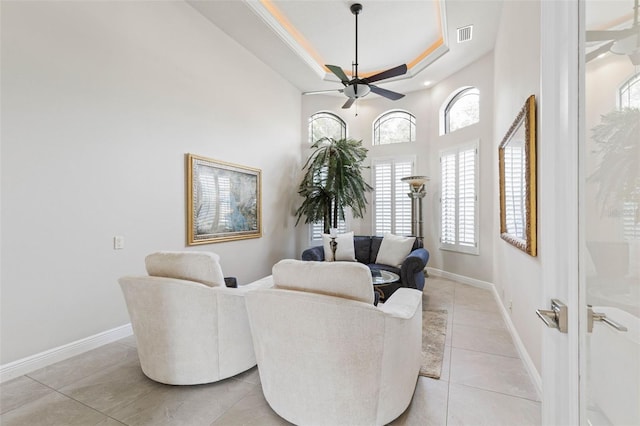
(458, 199)
(392, 206)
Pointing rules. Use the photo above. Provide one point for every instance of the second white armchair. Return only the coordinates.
(328, 356)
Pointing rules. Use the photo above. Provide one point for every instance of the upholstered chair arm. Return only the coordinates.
(412, 268)
(404, 303)
(403, 351)
(314, 254)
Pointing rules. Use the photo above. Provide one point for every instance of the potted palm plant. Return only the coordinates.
(333, 181)
(617, 138)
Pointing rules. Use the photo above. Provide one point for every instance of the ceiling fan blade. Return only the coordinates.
(595, 53)
(394, 96)
(612, 34)
(317, 92)
(339, 73)
(348, 104)
(392, 72)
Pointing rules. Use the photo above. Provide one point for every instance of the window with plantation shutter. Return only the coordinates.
(392, 206)
(326, 124)
(458, 199)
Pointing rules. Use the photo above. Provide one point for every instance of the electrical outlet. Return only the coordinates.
(118, 242)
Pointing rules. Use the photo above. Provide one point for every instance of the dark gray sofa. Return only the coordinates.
(366, 248)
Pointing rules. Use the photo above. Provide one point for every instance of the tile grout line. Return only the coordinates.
(62, 394)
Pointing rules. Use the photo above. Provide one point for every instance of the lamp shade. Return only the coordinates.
(416, 182)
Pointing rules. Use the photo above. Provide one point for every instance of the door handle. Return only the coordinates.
(556, 317)
(596, 316)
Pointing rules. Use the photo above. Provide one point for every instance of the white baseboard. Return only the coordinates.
(522, 351)
(34, 362)
(460, 278)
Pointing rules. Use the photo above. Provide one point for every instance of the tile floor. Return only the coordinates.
(483, 382)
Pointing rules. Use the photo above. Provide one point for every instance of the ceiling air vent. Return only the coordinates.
(465, 33)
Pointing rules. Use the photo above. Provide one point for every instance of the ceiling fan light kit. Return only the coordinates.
(356, 87)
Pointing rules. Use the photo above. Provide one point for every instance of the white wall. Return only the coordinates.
(517, 276)
(100, 102)
(425, 106)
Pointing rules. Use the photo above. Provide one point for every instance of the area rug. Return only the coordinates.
(434, 332)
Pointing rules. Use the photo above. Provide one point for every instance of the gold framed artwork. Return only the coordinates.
(223, 201)
(517, 168)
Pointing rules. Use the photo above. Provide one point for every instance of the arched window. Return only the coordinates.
(629, 93)
(462, 110)
(394, 127)
(326, 124)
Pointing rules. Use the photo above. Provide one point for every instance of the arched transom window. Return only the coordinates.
(394, 127)
(630, 93)
(326, 124)
(462, 110)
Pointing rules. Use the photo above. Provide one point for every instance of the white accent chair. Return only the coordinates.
(189, 327)
(326, 355)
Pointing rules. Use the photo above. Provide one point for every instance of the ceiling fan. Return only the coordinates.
(359, 87)
(620, 42)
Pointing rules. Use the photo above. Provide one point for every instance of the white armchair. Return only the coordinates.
(189, 327)
(328, 356)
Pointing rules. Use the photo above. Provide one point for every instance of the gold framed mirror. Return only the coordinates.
(517, 166)
(223, 201)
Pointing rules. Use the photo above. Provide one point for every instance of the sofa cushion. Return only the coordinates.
(394, 249)
(344, 250)
(349, 280)
(199, 266)
(362, 246)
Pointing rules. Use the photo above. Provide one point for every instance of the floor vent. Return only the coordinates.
(465, 33)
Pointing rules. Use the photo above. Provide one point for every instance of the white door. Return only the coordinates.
(591, 243)
(610, 213)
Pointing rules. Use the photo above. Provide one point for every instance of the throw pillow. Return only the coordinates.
(344, 250)
(394, 249)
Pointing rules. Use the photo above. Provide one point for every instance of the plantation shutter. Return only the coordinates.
(458, 199)
(392, 210)
(383, 197)
(448, 200)
(467, 197)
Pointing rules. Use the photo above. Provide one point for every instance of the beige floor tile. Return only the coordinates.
(481, 319)
(20, 391)
(182, 405)
(493, 341)
(476, 407)
(252, 410)
(477, 300)
(437, 301)
(112, 388)
(491, 372)
(78, 367)
(446, 364)
(429, 404)
(53, 409)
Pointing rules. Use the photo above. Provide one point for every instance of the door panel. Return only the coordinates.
(610, 216)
